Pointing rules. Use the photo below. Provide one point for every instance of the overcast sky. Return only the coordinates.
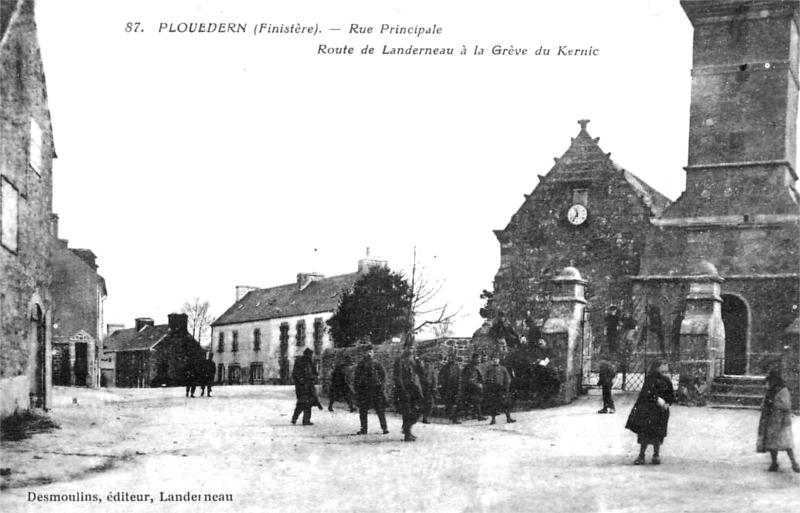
(192, 163)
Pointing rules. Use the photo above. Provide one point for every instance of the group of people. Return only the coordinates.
(471, 389)
(649, 416)
(417, 385)
(200, 373)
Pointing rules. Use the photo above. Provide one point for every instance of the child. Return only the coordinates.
(775, 426)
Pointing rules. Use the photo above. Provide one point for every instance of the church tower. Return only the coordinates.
(740, 210)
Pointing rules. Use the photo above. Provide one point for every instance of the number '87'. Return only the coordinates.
(132, 26)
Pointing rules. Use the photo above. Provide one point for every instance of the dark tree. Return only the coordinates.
(377, 309)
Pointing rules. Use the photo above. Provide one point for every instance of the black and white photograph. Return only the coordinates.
(399, 256)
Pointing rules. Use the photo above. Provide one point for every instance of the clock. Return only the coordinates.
(577, 214)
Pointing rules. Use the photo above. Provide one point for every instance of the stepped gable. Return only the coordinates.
(585, 161)
(288, 300)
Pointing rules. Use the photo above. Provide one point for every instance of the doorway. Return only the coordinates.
(735, 317)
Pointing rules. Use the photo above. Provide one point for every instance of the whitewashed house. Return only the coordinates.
(257, 339)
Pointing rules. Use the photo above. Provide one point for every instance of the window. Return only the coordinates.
(319, 331)
(580, 196)
(35, 147)
(256, 373)
(300, 335)
(9, 222)
(235, 342)
(284, 337)
(234, 374)
(220, 373)
(221, 343)
(257, 340)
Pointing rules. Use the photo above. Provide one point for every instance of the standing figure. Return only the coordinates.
(207, 372)
(775, 425)
(650, 414)
(304, 375)
(430, 388)
(342, 384)
(190, 376)
(450, 382)
(408, 378)
(370, 384)
(606, 375)
(472, 383)
(498, 382)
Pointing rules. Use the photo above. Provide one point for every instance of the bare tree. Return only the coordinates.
(200, 319)
(426, 313)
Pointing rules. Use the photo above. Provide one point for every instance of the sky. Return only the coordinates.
(191, 163)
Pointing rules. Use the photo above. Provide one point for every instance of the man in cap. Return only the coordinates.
(408, 377)
(450, 381)
(304, 375)
(370, 382)
(498, 382)
(472, 384)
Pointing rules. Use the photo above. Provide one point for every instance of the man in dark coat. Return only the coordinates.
(370, 384)
(472, 385)
(649, 416)
(190, 376)
(498, 382)
(450, 381)
(342, 384)
(304, 375)
(430, 387)
(606, 374)
(207, 372)
(408, 378)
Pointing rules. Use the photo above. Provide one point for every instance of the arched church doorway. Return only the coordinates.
(735, 318)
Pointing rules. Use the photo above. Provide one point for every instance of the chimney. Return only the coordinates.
(178, 322)
(242, 290)
(304, 279)
(367, 263)
(141, 322)
(113, 328)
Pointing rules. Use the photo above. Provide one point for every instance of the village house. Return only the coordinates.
(150, 355)
(26, 193)
(257, 339)
(78, 292)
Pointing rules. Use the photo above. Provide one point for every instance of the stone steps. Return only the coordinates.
(737, 392)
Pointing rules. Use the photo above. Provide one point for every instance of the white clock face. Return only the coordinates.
(577, 214)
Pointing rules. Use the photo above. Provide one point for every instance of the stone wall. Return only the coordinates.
(25, 271)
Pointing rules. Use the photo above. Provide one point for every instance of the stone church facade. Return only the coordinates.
(740, 211)
(589, 213)
(710, 281)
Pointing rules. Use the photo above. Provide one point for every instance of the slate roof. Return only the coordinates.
(288, 300)
(132, 340)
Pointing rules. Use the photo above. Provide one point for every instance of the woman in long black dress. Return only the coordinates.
(650, 415)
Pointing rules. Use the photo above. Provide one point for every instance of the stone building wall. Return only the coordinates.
(539, 240)
(25, 212)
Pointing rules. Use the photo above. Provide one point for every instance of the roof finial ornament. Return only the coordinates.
(367, 251)
(583, 123)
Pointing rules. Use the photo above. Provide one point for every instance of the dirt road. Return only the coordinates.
(155, 450)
